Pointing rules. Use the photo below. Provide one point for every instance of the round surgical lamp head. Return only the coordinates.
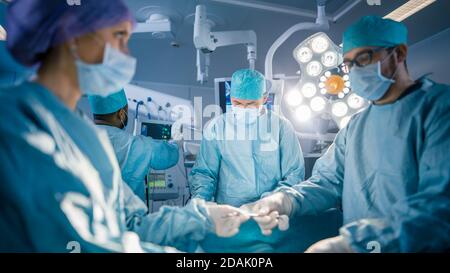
(294, 98)
(304, 54)
(324, 85)
(329, 59)
(314, 69)
(318, 104)
(319, 44)
(339, 109)
(309, 90)
(303, 113)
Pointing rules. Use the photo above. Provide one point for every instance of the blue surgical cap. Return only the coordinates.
(374, 31)
(247, 84)
(107, 105)
(35, 26)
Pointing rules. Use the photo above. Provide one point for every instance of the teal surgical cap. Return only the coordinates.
(248, 84)
(374, 31)
(107, 105)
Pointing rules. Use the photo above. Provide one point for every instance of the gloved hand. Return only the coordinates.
(331, 245)
(272, 211)
(226, 219)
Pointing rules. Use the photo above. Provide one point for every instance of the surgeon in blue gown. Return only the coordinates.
(136, 154)
(389, 168)
(246, 153)
(60, 180)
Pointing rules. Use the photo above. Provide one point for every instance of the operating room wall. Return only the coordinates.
(182, 91)
(431, 56)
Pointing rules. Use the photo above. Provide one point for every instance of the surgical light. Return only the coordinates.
(318, 104)
(355, 101)
(334, 84)
(314, 69)
(309, 90)
(304, 54)
(319, 44)
(329, 59)
(294, 98)
(303, 113)
(339, 109)
(324, 86)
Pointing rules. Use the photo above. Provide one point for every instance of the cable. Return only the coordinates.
(138, 103)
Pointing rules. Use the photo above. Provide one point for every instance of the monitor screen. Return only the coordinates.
(156, 130)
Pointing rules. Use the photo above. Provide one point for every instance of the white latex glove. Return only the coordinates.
(270, 212)
(331, 245)
(226, 219)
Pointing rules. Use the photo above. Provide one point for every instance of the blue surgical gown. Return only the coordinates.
(237, 166)
(389, 170)
(61, 184)
(138, 154)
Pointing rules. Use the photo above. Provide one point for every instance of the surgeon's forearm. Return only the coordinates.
(181, 228)
(202, 194)
(309, 198)
(202, 186)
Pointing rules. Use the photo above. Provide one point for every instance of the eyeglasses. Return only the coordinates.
(364, 58)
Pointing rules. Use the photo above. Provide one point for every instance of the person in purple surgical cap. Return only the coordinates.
(61, 189)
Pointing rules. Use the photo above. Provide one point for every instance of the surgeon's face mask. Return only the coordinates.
(116, 70)
(368, 81)
(246, 115)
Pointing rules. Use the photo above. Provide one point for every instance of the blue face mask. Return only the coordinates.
(368, 82)
(116, 70)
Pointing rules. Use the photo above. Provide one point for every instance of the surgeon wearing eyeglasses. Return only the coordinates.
(389, 168)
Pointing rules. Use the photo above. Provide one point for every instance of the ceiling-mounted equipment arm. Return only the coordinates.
(202, 66)
(321, 24)
(246, 37)
(207, 41)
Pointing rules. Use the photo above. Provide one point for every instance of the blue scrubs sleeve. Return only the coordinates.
(323, 190)
(205, 174)
(421, 221)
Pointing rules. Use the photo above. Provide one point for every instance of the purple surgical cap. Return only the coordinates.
(35, 26)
